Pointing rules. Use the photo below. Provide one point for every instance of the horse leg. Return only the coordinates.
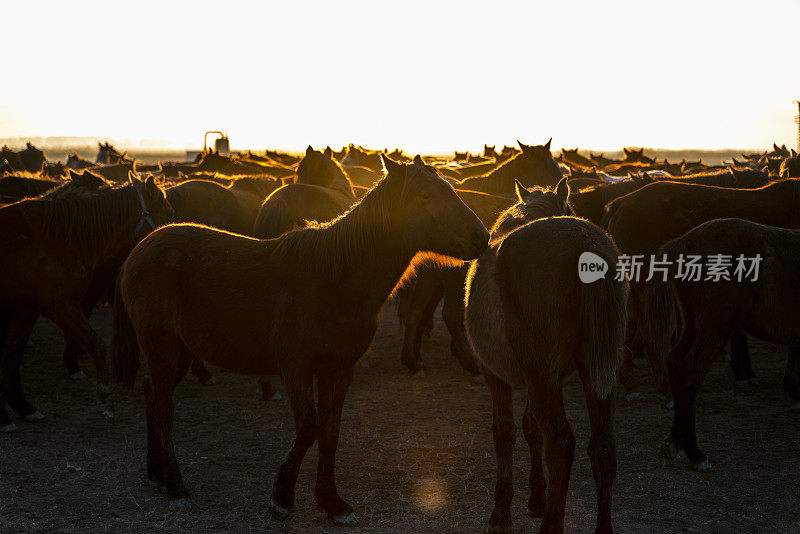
(168, 367)
(536, 481)
(602, 449)
(73, 349)
(425, 298)
(743, 374)
(20, 325)
(688, 365)
(659, 369)
(791, 378)
(453, 315)
(202, 373)
(331, 391)
(504, 434)
(74, 323)
(559, 449)
(268, 391)
(300, 390)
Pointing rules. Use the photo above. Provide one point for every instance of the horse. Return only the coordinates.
(30, 159)
(303, 305)
(530, 321)
(107, 154)
(322, 192)
(534, 165)
(647, 218)
(434, 281)
(763, 303)
(588, 202)
(575, 159)
(50, 247)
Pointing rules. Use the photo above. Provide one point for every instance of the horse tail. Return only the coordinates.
(124, 345)
(659, 315)
(603, 322)
(609, 210)
(274, 219)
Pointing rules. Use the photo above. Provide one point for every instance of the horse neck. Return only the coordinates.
(372, 254)
(114, 216)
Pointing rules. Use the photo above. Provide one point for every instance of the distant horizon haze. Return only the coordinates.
(428, 77)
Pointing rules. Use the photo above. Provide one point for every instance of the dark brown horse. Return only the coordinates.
(30, 159)
(432, 282)
(533, 166)
(646, 219)
(532, 322)
(50, 247)
(322, 192)
(304, 305)
(763, 302)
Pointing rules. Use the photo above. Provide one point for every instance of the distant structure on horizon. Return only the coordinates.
(797, 122)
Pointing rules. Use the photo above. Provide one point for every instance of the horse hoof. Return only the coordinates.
(33, 416)
(633, 396)
(670, 404)
(640, 362)
(478, 379)
(210, 382)
(278, 512)
(745, 383)
(497, 529)
(29, 344)
(726, 357)
(275, 397)
(106, 413)
(418, 374)
(8, 427)
(701, 466)
(79, 375)
(346, 519)
(180, 505)
(796, 407)
(669, 451)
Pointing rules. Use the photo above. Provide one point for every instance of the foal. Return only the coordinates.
(304, 305)
(532, 322)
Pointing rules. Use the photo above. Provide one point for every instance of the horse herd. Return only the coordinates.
(297, 255)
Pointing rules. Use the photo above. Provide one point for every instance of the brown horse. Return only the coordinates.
(532, 322)
(533, 166)
(763, 303)
(304, 305)
(30, 159)
(50, 247)
(432, 282)
(322, 192)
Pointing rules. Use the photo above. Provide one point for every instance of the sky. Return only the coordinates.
(427, 76)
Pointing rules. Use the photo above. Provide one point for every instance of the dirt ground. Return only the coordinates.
(415, 454)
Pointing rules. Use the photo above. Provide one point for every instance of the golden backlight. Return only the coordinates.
(428, 76)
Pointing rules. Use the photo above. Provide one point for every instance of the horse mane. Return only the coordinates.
(88, 220)
(334, 246)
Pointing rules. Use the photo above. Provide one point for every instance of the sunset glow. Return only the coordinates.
(427, 76)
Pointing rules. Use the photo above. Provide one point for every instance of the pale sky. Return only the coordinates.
(428, 76)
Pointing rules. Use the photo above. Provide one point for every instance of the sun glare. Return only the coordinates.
(425, 76)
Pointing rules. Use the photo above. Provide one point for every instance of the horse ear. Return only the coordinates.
(150, 181)
(132, 178)
(794, 153)
(522, 146)
(73, 174)
(547, 144)
(391, 166)
(520, 190)
(562, 191)
(418, 160)
(309, 150)
(328, 153)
